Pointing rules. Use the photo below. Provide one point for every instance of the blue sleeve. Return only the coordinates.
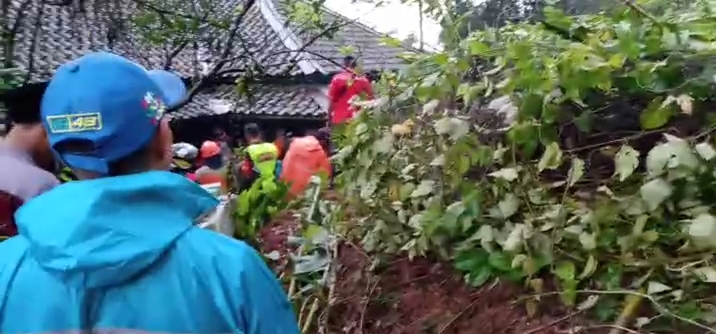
(267, 309)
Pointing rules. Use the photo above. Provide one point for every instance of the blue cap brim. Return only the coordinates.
(171, 85)
(84, 162)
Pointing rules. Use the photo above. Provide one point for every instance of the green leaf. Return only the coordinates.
(706, 274)
(311, 263)
(453, 127)
(478, 48)
(391, 41)
(655, 192)
(656, 115)
(500, 261)
(424, 188)
(508, 206)
(654, 287)
(384, 144)
(515, 238)
(508, 174)
(576, 171)
(702, 230)
(430, 107)
(565, 271)
(471, 260)
(479, 277)
(589, 268)
(625, 162)
(705, 150)
(588, 240)
(670, 155)
(552, 157)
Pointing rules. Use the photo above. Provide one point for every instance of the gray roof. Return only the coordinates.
(364, 41)
(50, 35)
(260, 100)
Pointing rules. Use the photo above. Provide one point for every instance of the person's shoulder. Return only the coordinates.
(28, 181)
(12, 249)
(212, 248)
(340, 76)
(363, 79)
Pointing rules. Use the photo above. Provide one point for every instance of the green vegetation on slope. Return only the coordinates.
(604, 182)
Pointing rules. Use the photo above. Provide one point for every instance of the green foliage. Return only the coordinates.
(174, 23)
(9, 78)
(533, 199)
(255, 207)
(313, 261)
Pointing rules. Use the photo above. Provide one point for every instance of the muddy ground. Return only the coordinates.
(424, 297)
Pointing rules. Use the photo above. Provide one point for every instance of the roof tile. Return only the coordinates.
(63, 33)
(276, 101)
(365, 41)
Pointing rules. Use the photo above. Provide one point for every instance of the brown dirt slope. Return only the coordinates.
(422, 297)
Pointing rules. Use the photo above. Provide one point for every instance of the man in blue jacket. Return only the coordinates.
(117, 251)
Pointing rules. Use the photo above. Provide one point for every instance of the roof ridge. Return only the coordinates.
(288, 37)
(356, 22)
(340, 16)
(370, 29)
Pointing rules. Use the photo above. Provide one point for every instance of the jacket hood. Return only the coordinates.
(102, 232)
(308, 143)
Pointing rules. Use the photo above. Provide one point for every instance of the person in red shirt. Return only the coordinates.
(343, 87)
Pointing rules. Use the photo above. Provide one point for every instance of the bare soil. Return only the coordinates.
(423, 297)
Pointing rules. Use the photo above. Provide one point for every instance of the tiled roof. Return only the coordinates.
(260, 45)
(364, 41)
(63, 33)
(276, 101)
(49, 35)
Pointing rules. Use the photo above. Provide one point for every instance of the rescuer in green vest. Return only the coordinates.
(260, 162)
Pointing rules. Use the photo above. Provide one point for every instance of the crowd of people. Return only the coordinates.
(113, 244)
(292, 160)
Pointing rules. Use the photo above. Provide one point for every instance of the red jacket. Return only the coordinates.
(344, 86)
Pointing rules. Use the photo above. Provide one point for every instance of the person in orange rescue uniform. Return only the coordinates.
(306, 156)
(213, 169)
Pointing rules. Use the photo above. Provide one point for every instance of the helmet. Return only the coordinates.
(209, 149)
(184, 151)
(182, 156)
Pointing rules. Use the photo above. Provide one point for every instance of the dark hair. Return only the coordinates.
(135, 162)
(22, 104)
(252, 130)
(218, 132)
(350, 61)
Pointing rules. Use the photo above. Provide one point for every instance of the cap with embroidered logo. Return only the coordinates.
(108, 105)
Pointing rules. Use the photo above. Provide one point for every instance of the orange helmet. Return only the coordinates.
(209, 149)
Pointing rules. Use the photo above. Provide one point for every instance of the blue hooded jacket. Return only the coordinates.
(122, 255)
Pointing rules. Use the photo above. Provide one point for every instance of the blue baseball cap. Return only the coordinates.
(108, 104)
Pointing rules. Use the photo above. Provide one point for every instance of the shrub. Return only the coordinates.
(600, 175)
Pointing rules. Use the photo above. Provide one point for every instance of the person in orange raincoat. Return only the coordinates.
(306, 156)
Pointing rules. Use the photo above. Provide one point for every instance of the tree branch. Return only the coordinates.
(217, 71)
(229, 48)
